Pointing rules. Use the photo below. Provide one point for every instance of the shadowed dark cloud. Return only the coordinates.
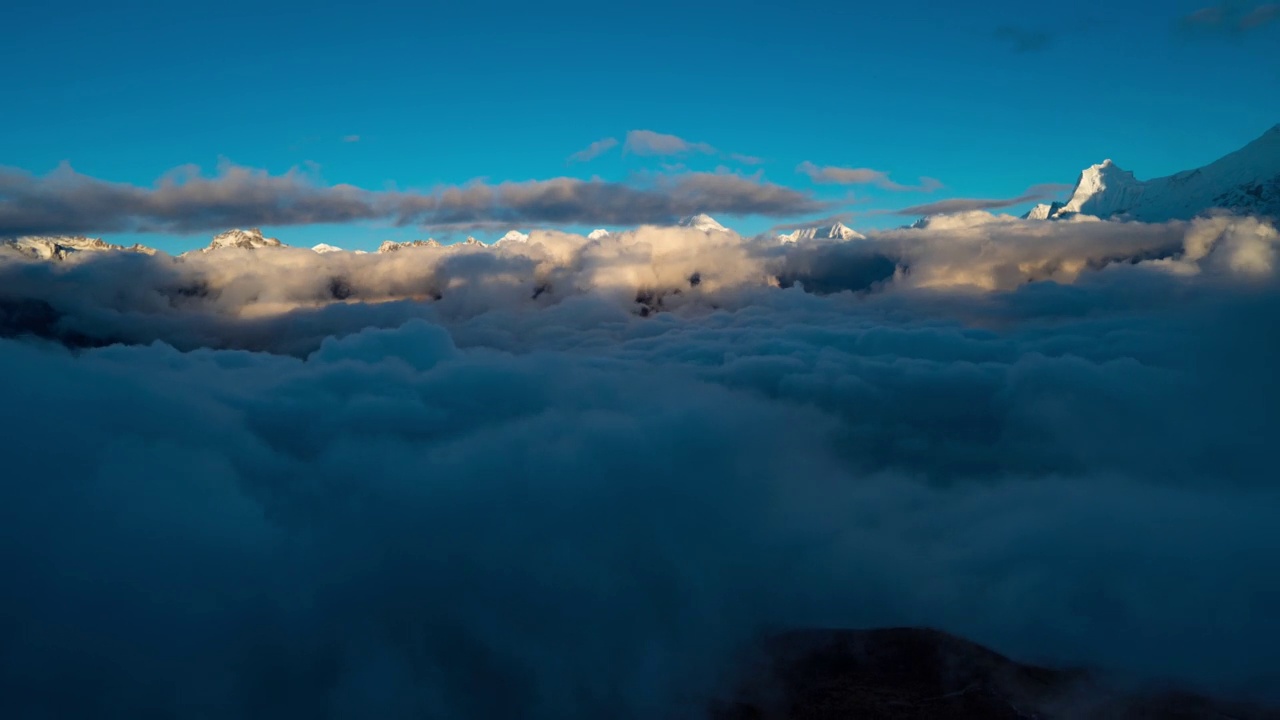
(1023, 40)
(862, 176)
(1035, 192)
(183, 201)
(66, 201)
(568, 200)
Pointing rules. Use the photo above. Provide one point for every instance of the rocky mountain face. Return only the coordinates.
(921, 674)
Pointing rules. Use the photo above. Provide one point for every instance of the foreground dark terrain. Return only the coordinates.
(908, 673)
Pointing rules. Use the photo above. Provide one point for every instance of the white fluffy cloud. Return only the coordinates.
(456, 499)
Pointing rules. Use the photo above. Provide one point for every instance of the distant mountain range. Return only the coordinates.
(1245, 182)
(838, 231)
(63, 246)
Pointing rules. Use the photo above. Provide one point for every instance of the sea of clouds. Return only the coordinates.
(574, 479)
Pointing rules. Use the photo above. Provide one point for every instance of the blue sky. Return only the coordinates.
(989, 101)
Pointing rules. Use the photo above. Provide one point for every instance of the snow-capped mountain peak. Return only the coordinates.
(1104, 190)
(838, 231)
(513, 236)
(250, 239)
(1247, 180)
(326, 248)
(703, 222)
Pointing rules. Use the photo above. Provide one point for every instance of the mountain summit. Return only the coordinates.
(703, 222)
(250, 239)
(1245, 181)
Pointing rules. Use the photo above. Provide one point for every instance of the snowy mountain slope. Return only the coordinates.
(1246, 181)
(839, 231)
(1043, 211)
(323, 248)
(62, 247)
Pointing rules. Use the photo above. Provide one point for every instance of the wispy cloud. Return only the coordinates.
(648, 142)
(831, 175)
(1023, 40)
(351, 139)
(1230, 17)
(1259, 16)
(594, 150)
(1033, 193)
(184, 201)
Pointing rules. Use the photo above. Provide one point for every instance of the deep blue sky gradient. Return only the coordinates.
(443, 93)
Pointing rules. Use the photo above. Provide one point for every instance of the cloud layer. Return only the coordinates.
(586, 473)
(184, 201)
